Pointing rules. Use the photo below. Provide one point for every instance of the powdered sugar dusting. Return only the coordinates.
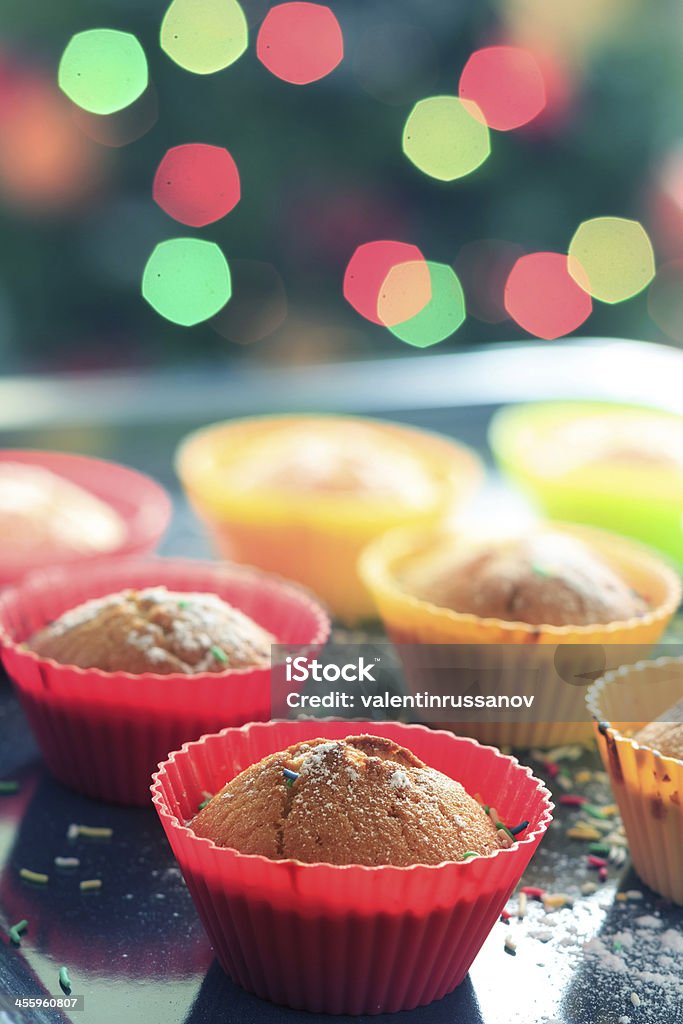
(399, 780)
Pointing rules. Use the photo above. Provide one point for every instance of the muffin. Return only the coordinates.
(638, 713)
(116, 664)
(358, 937)
(555, 584)
(59, 509)
(155, 630)
(359, 800)
(302, 495)
(614, 466)
(320, 459)
(546, 578)
(43, 515)
(665, 734)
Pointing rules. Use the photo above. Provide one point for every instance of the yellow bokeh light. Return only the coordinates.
(446, 137)
(615, 256)
(405, 292)
(204, 36)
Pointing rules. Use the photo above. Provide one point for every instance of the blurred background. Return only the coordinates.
(322, 171)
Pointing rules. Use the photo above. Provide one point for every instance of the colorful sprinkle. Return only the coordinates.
(533, 892)
(208, 797)
(290, 775)
(89, 831)
(67, 862)
(16, 931)
(555, 901)
(505, 916)
(573, 800)
(594, 812)
(582, 832)
(37, 877)
(601, 849)
(220, 655)
(518, 828)
(64, 980)
(596, 862)
(521, 906)
(8, 787)
(510, 945)
(602, 874)
(468, 854)
(90, 884)
(635, 999)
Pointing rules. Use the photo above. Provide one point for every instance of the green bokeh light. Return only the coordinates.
(103, 70)
(616, 255)
(187, 280)
(441, 316)
(446, 137)
(204, 36)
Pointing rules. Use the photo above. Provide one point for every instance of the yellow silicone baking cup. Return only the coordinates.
(648, 787)
(313, 539)
(559, 711)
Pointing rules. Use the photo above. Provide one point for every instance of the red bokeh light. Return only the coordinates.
(300, 42)
(197, 184)
(543, 298)
(46, 164)
(507, 84)
(369, 268)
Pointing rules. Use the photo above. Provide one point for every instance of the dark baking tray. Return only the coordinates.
(136, 950)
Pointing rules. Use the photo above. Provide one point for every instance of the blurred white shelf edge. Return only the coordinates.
(591, 368)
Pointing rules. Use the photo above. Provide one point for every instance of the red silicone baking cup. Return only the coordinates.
(349, 939)
(142, 503)
(104, 733)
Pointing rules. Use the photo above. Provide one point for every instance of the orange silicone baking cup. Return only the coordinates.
(103, 733)
(648, 787)
(346, 939)
(559, 713)
(314, 539)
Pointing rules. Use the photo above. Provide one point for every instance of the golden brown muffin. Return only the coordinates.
(361, 800)
(545, 578)
(665, 734)
(42, 514)
(335, 458)
(155, 630)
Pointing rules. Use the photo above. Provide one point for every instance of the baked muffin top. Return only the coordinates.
(639, 439)
(543, 578)
(665, 734)
(45, 515)
(155, 630)
(360, 800)
(333, 457)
